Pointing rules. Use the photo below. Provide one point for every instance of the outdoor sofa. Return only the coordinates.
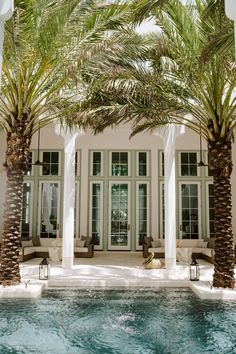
(41, 247)
(200, 249)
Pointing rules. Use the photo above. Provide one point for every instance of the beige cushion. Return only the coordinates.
(28, 250)
(27, 243)
(79, 243)
(81, 249)
(41, 249)
(156, 243)
(201, 244)
(157, 249)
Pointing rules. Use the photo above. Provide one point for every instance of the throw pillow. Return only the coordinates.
(156, 243)
(87, 239)
(211, 243)
(36, 241)
(27, 243)
(148, 240)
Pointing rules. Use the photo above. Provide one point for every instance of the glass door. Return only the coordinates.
(49, 209)
(119, 216)
(189, 225)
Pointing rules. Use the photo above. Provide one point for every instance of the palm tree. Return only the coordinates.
(47, 46)
(174, 86)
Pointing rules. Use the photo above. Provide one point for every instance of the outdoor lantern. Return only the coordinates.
(44, 269)
(194, 272)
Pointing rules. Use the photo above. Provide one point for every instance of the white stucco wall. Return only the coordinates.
(113, 139)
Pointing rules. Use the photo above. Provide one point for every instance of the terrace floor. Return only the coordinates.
(115, 270)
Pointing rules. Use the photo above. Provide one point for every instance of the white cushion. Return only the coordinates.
(41, 249)
(156, 243)
(28, 250)
(157, 249)
(188, 243)
(46, 242)
(27, 243)
(81, 249)
(79, 243)
(201, 244)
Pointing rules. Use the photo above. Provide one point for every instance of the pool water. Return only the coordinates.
(168, 321)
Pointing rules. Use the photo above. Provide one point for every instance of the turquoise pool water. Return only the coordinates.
(168, 321)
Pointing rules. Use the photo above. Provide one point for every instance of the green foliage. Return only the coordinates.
(169, 82)
(46, 49)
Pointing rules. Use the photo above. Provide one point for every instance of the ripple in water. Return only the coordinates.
(168, 321)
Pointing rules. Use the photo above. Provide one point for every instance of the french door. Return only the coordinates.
(119, 216)
(189, 218)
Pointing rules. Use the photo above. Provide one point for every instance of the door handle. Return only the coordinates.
(128, 228)
(180, 227)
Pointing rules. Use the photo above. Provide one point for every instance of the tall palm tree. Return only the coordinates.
(47, 46)
(174, 86)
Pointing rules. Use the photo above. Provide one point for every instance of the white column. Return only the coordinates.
(154, 194)
(6, 11)
(169, 135)
(68, 194)
(230, 10)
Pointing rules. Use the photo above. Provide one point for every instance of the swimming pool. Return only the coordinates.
(167, 321)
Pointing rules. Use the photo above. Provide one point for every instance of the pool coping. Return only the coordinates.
(109, 271)
(34, 289)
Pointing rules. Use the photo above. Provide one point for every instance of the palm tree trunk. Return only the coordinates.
(10, 270)
(220, 158)
(17, 158)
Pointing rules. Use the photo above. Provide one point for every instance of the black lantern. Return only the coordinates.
(44, 269)
(194, 272)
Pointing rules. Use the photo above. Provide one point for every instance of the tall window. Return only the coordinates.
(142, 211)
(96, 213)
(49, 210)
(77, 163)
(162, 166)
(189, 210)
(51, 163)
(188, 163)
(97, 163)
(211, 210)
(119, 164)
(25, 223)
(163, 208)
(142, 163)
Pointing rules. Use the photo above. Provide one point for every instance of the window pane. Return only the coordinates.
(46, 157)
(96, 213)
(51, 163)
(119, 164)
(97, 163)
(188, 164)
(142, 164)
(184, 158)
(54, 157)
(192, 157)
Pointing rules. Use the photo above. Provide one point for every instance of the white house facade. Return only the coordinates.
(118, 188)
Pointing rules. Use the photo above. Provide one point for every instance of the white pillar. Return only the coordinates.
(230, 10)
(169, 135)
(6, 11)
(68, 194)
